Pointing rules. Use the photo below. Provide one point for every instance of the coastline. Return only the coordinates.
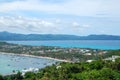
(26, 55)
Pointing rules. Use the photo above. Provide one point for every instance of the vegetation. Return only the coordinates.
(96, 70)
(13, 36)
(70, 54)
(112, 52)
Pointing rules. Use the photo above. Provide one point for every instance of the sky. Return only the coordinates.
(72, 17)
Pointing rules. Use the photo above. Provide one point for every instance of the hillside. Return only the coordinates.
(96, 70)
(13, 36)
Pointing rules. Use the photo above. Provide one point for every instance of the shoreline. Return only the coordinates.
(33, 56)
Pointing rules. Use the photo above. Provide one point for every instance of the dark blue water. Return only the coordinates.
(94, 44)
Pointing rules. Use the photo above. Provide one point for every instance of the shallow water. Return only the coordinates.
(8, 63)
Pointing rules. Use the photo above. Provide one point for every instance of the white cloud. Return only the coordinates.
(58, 21)
(86, 26)
(25, 24)
(79, 28)
(80, 15)
(78, 25)
(75, 24)
(73, 7)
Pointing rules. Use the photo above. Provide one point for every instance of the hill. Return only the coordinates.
(13, 36)
(96, 70)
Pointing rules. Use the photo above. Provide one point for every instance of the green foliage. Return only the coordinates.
(96, 70)
(1, 78)
(112, 52)
(29, 75)
(96, 65)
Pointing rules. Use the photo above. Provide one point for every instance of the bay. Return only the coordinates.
(9, 62)
(94, 44)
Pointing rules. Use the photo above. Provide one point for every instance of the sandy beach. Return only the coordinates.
(36, 56)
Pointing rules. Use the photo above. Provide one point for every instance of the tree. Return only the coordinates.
(1, 78)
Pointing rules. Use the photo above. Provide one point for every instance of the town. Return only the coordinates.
(69, 54)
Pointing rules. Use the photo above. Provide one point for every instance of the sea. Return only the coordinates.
(8, 62)
(94, 44)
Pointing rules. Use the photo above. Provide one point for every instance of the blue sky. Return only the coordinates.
(76, 17)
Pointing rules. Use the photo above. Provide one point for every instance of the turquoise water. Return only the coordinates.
(95, 44)
(8, 63)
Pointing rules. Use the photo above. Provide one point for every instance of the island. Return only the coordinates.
(66, 54)
(77, 63)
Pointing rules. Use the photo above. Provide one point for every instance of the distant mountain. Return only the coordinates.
(13, 36)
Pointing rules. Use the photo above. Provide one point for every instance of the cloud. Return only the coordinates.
(79, 28)
(24, 24)
(36, 25)
(78, 25)
(54, 1)
(86, 26)
(75, 24)
(72, 7)
(60, 16)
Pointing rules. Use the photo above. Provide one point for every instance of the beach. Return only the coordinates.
(10, 62)
(36, 56)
